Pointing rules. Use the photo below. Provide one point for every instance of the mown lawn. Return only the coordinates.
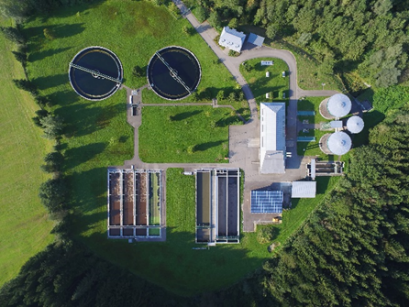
(24, 225)
(312, 148)
(275, 85)
(312, 104)
(185, 134)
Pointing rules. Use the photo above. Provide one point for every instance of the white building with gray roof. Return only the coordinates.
(232, 39)
(272, 138)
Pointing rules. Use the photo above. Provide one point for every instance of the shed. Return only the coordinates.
(304, 189)
(255, 39)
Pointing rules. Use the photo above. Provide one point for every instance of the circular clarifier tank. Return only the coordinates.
(95, 73)
(174, 73)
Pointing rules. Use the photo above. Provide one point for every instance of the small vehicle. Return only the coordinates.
(283, 74)
(283, 94)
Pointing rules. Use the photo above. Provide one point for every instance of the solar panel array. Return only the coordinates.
(266, 201)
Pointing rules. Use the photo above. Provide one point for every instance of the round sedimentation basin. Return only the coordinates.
(95, 73)
(174, 73)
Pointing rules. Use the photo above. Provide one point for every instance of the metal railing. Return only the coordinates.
(95, 72)
(173, 73)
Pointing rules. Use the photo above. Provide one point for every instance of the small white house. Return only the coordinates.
(232, 39)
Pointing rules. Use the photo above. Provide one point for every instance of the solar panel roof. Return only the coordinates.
(266, 201)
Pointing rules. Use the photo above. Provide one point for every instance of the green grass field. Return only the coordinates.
(154, 212)
(275, 85)
(185, 134)
(24, 225)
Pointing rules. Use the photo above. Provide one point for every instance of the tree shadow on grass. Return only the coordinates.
(207, 145)
(81, 119)
(36, 34)
(79, 155)
(224, 122)
(50, 81)
(63, 97)
(37, 56)
(305, 105)
(184, 115)
(88, 189)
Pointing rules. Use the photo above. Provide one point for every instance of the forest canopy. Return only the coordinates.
(370, 36)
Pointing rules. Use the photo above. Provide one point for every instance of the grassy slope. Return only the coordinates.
(24, 228)
(276, 85)
(185, 134)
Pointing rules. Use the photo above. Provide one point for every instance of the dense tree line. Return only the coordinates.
(348, 34)
(67, 275)
(354, 250)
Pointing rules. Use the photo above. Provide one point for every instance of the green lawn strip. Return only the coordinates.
(154, 212)
(185, 134)
(275, 85)
(24, 225)
(312, 104)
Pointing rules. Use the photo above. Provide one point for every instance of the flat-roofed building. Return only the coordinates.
(304, 189)
(272, 138)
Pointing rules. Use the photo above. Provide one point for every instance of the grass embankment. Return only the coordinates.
(185, 134)
(312, 148)
(275, 85)
(24, 225)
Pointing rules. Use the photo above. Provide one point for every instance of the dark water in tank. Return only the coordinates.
(184, 63)
(102, 61)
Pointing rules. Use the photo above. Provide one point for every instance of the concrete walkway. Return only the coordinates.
(243, 140)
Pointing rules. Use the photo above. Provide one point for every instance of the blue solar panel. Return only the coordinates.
(266, 201)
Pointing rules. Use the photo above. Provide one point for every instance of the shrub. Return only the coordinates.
(52, 126)
(138, 71)
(265, 234)
(40, 115)
(48, 34)
(233, 53)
